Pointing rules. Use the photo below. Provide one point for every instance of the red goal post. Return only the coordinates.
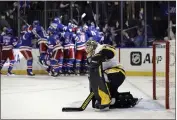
(166, 46)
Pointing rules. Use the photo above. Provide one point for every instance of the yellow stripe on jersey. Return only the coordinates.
(114, 70)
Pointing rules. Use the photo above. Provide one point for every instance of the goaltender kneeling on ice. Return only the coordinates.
(105, 77)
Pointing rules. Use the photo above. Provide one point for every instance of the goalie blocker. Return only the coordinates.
(105, 91)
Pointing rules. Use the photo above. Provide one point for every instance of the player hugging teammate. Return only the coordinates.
(61, 47)
(65, 49)
(26, 47)
(55, 50)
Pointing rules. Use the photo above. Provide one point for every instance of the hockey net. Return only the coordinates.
(164, 73)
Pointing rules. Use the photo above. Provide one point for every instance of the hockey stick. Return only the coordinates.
(23, 21)
(29, 26)
(83, 106)
(93, 15)
(126, 29)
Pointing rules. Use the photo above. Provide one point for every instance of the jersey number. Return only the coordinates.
(82, 38)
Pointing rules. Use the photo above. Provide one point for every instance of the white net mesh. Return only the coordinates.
(172, 74)
(160, 74)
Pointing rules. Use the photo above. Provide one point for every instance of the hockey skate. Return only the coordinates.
(77, 72)
(55, 74)
(42, 62)
(9, 73)
(30, 73)
(69, 72)
(49, 71)
(65, 72)
(60, 72)
(100, 107)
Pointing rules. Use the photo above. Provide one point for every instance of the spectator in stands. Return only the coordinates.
(78, 10)
(88, 10)
(3, 23)
(130, 9)
(64, 8)
(115, 13)
(36, 5)
(126, 42)
(24, 7)
(117, 34)
(108, 37)
(139, 40)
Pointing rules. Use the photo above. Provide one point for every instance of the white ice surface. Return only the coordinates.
(42, 97)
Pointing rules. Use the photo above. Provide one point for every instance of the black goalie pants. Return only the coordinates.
(116, 77)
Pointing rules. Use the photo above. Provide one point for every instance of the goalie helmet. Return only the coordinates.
(91, 46)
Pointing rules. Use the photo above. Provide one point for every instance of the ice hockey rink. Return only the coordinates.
(42, 97)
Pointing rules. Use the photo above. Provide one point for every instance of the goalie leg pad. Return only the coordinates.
(98, 86)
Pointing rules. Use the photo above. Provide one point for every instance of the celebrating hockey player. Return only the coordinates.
(41, 36)
(102, 64)
(69, 52)
(8, 41)
(56, 51)
(26, 47)
(80, 56)
(57, 25)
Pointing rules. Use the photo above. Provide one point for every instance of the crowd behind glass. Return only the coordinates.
(123, 22)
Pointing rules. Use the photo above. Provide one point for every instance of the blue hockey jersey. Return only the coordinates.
(54, 43)
(68, 40)
(95, 35)
(40, 34)
(26, 40)
(80, 40)
(58, 27)
(8, 42)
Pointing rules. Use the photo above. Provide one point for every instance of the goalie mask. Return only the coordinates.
(90, 47)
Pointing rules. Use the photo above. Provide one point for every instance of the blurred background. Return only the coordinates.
(122, 21)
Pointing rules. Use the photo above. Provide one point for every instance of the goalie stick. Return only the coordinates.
(83, 106)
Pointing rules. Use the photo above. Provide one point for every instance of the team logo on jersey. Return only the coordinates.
(135, 58)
